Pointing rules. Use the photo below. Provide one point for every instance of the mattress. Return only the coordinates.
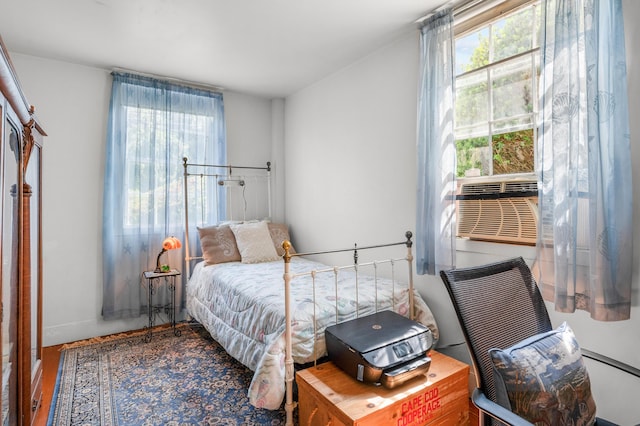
(242, 307)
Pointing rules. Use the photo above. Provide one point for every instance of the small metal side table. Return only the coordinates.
(154, 281)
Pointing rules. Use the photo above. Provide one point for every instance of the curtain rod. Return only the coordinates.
(459, 7)
(173, 80)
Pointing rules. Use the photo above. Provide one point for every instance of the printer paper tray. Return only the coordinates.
(401, 373)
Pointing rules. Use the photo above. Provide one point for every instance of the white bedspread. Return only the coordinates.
(242, 306)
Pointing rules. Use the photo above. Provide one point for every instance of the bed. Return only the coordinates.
(268, 305)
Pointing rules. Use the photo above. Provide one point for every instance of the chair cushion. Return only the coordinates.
(544, 379)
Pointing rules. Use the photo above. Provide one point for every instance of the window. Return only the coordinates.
(152, 125)
(497, 70)
(156, 142)
(497, 73)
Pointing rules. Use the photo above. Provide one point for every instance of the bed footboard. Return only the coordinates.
(290, 405)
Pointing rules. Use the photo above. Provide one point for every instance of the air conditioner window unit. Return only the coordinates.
(499, 210)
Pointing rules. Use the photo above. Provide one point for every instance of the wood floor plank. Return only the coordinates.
(50, 361)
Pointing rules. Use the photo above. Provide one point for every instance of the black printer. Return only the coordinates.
(384, 348)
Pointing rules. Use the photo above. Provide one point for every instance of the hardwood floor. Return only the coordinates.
(51, 361)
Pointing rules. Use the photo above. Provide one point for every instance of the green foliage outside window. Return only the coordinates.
(513, 152)
(469, 155)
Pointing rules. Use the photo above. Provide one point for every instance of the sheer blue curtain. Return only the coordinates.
(584, 252)
(435, 216)
(152, 125)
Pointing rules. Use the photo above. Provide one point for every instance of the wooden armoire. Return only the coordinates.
(21, 251)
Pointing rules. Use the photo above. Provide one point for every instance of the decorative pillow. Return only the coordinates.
(280, 232)
(254, 242)
(544, 379)
(218, 244)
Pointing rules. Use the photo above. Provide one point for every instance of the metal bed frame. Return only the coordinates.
(213, 171)
(290, 405)
(222, 174)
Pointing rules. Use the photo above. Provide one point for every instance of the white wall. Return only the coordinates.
(350, 163)
(350, 151)
(72, 102)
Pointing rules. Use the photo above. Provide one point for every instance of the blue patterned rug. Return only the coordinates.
(171, 380)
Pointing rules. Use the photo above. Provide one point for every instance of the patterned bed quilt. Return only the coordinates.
(242, 307)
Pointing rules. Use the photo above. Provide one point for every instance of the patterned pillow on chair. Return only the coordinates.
(544, 379)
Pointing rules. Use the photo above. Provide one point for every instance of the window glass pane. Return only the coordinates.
(536, 25)
(512, 88)
(471, 99)
(148, 177)
(474, 157)
(472, 51)
(513, 124)
(512, 35)
(513, 152)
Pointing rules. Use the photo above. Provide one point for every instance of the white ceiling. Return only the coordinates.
(269, 48)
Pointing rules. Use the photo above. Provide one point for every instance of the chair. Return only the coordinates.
(498, 305)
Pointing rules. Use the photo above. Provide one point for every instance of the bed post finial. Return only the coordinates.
(409, 244)
(286, 245)
(408, 234)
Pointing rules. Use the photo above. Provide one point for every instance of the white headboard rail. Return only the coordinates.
(224, 175)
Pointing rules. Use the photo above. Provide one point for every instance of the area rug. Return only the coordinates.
(171, 380)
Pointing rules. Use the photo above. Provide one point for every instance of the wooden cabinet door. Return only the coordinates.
(20, 252)
(33, 242)
(10, 272)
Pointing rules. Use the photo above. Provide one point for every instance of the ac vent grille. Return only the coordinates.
(507, 219)
(520, 186)
(481, 188)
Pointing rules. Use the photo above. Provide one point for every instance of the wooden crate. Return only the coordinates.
(327, 395)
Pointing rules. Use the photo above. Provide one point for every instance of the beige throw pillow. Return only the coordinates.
(254, 242)
(218, 244)
(280, 232)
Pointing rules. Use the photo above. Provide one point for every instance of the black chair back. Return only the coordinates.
(497, 305)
